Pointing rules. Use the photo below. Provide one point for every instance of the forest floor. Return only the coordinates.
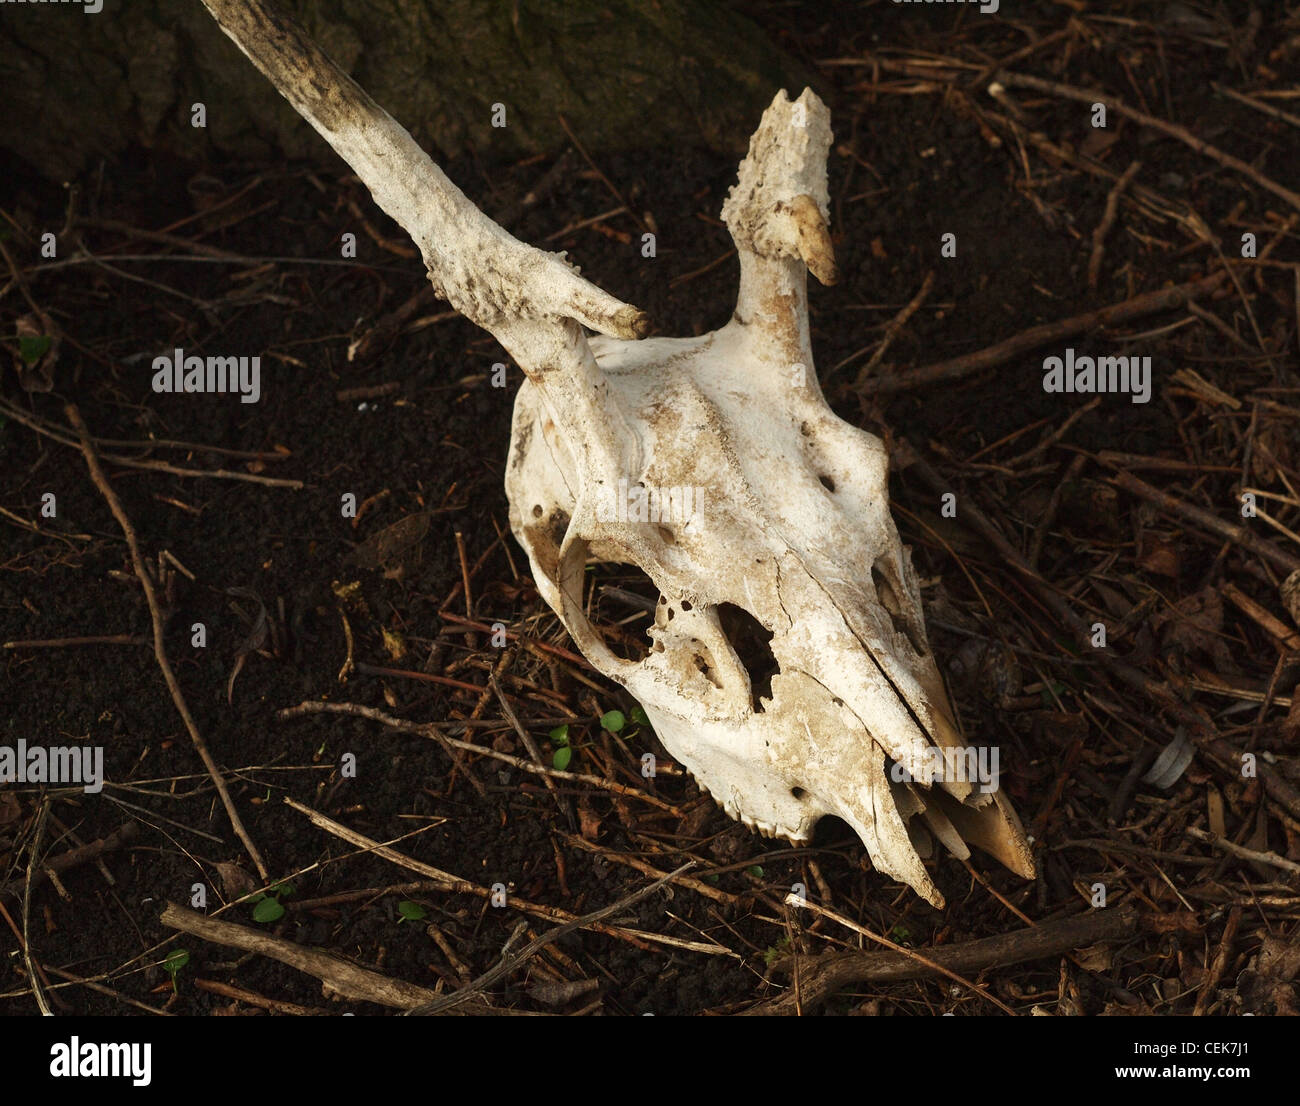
(1158, 775)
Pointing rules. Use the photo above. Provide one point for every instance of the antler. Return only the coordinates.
(531, 301)
(479, 268)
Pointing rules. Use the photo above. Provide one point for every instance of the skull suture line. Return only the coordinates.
(776, 546)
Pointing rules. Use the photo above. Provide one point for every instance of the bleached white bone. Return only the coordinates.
(715, 466)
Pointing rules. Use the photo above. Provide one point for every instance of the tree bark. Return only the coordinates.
(623, 73)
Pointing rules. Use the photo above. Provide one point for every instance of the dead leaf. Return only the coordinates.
(1096, 958)
(235, 882)
(1290, 590)
(1268, 982)
(38, 350)
(1195, 625)
(588, 819)
(394, 545)
(1159, 556)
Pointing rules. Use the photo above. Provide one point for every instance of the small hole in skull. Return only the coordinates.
(667, 536)
(827, 482)
(620, 602)
(705, 670)
(686, 604)
(753, 645)
(797, 793)
(889, 600)
(537, 510)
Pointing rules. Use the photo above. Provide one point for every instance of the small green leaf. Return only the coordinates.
(613, 721)
(32, 349)
(411, 911)
(268, 910)
(900, 934)
(256, 897)
(284, 887)
(710, 877)
(562, 757)
(639, 716)
(560, 735)
(176, 960)
(755, 870)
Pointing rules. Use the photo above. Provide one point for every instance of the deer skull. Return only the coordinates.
(787, 666)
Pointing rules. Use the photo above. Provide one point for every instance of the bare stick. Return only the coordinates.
(1170, 504)
(455, 884)
(1220, 962)
(342, 977)
(1173, 130)
(1108, 221)
(428, 729)
(1271, 859)
(63, 642)
(79, 855)
(1146, 304)
(822, 976)
(509, 964)
(896, 325)
(921, 960)
(156, 618)
(529, 744)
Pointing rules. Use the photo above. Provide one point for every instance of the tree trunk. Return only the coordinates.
(623, 73)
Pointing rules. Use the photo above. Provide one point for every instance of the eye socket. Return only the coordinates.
(620, 601)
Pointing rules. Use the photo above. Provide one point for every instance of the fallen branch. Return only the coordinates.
(340, 976)
(1241, 536)
(822, 976)
(454, 884)
(156, 618)
(1148, 303)
(79, 855)
(430, 730)
(1173, 130)
(509, 964)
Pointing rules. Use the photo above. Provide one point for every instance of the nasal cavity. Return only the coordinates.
(889, 600)
(753, 646)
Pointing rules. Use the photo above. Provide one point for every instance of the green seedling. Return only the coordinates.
(33, 348)
(267, 905)
(613, 721)
(563, 752)
(172, 965)
(410, 911)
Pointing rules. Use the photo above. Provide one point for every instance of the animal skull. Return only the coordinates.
(787, 667)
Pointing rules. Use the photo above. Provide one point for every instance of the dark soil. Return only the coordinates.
(907, 169)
